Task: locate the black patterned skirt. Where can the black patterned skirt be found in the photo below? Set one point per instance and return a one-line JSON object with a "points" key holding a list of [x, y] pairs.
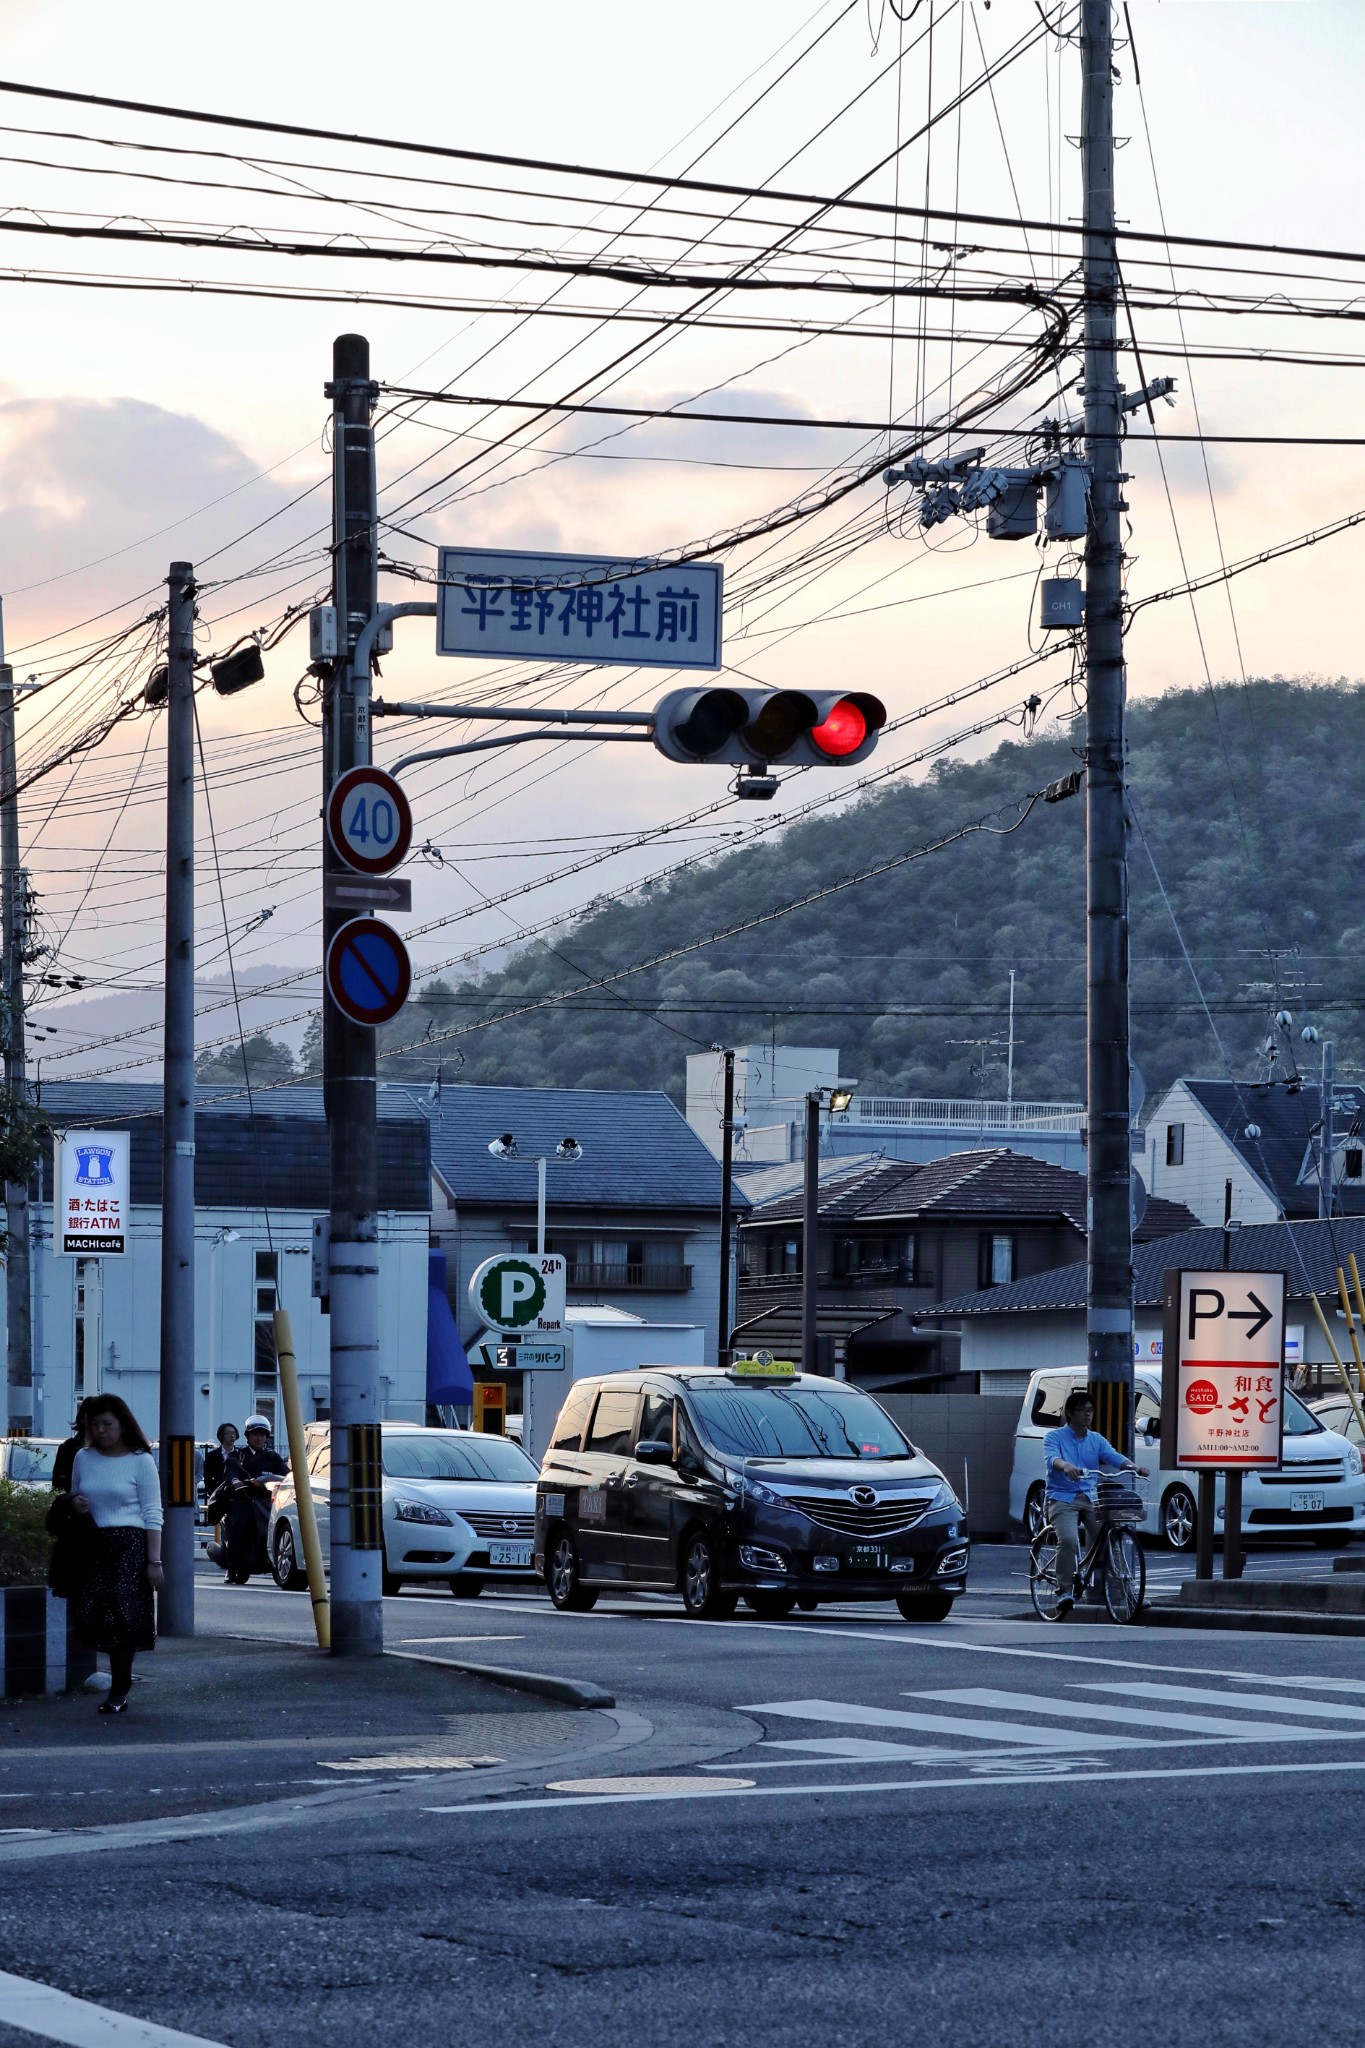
{"points": [[112, 1606]]}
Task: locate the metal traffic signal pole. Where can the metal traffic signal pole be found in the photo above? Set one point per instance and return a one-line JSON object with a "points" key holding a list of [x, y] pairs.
{"points": [[727, 1230], [1109, 1292], [348, 1054], [810, 1239]]}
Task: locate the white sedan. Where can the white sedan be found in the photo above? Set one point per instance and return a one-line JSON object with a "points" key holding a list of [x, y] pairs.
{"points": [[458, 1506]]}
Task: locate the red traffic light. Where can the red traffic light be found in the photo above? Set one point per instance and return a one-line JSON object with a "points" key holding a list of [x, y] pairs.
{"points": [[842, 731]]}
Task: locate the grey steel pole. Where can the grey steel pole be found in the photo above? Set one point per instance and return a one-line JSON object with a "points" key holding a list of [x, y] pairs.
{"points": [[1109, 1295], [13, 920], [1327, 1136], [727, 1225], [810, 1240], [176, 1617], [349, 1051]]}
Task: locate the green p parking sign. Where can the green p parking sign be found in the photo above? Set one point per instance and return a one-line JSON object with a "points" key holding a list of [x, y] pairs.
{"points": [[521, 1293]]}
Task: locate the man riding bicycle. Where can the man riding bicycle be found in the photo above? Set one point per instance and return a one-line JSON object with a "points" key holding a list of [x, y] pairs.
{"points": [[1073, 1458]]}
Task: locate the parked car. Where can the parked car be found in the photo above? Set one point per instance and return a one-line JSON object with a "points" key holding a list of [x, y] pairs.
{"points": [[1335, 1412], [1319, 1490], [787, 1490], [458, 1506], [27, 1460]]}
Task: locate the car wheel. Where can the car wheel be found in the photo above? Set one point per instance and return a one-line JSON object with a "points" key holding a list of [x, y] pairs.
{"points": [[808, 1602], [925, 1606], [704, 1598], [1033, 1510], [389, 1582], [1328, 1539], [465, 1586], [770, 1606], [290, 1576], [1178, 1519], [567, 1591]]}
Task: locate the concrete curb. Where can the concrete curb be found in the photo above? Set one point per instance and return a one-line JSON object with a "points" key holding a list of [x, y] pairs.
{"points": [[1255, 1620], [570, 1692]]}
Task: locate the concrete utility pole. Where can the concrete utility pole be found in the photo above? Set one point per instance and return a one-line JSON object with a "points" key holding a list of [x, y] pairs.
{"points": [[1327, 1135], [348, 1050], [727, 1158], [14, 921], [810, 1239], [1109, 1293], [177, 1123]]}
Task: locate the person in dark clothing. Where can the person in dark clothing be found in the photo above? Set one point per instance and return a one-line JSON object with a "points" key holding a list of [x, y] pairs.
{"points": [[66, 1452], [117, 1494], [248, 1513], [215, 1462]]}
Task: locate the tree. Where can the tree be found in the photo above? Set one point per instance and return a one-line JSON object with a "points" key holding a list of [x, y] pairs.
{"points": [[266, 1060]]}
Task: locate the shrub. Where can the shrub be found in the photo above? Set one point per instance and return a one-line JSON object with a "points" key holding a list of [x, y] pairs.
{"points": [[24, 1542]]}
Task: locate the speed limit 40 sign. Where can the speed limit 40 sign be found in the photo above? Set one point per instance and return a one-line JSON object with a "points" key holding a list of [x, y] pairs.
{"points": [[369, 820]]}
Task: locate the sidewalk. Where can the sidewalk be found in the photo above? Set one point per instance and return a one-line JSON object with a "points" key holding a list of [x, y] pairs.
{"points": [[218, 1721]]}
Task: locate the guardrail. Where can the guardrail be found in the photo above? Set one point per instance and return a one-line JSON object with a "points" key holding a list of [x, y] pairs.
{"points": [[954, 1113]]}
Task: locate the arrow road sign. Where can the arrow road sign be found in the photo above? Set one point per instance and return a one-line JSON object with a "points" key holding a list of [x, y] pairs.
{"points": [[366, 892], [1222, 1369], [369, 820], [368, 971], [1258, 1315]]}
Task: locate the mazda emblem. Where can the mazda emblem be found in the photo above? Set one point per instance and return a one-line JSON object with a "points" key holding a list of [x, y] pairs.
{"points": [[865, 1496]]}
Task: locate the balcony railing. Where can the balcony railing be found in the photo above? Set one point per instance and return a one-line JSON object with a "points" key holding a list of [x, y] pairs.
{"points": [[630, 1277], [955, 1113]]}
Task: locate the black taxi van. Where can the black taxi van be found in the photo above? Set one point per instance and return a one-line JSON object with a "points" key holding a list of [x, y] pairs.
{"points": [[758, 1481]]}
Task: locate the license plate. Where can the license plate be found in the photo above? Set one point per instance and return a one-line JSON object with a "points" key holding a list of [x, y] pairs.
{"points": [[1305, 1503], [509, 1553], [864, 1559]]}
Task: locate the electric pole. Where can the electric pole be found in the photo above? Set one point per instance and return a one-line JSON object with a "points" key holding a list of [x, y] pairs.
{"points": [[1327, 1135], [349, 1049], [810, 1239], [1109, 1293], [176, 1617], [13, 927], [727, 1156]]}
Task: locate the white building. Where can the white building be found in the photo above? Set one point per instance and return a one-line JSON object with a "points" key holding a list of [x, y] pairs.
{"points": [[1264, 1137]]}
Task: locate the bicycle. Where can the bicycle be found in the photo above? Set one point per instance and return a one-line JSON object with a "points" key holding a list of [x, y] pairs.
{"points": [[1113, 1564]]}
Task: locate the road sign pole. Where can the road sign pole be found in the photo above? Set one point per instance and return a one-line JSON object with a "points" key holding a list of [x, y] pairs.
{"points": [[349, 1049]]}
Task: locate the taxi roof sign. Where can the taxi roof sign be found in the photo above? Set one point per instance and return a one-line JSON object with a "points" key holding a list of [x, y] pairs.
{"points": [[763, 1367]]}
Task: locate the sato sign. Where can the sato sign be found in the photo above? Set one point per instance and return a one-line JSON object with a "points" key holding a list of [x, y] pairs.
{"points": [[578, 608], [521, 1293], [93, 1194], [1223, 1369]]}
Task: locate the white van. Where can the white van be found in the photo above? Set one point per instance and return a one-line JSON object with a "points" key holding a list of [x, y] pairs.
{"points": [[1318, 1491]]}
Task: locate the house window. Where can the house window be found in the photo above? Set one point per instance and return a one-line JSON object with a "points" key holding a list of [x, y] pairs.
{"points": [[265, 1364], [997, 1259], [1175, 1144]]}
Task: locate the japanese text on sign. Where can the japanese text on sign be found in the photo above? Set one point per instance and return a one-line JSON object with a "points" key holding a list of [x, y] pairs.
{"points": [[92, 1195], [1225, 1342], [578, 608]]}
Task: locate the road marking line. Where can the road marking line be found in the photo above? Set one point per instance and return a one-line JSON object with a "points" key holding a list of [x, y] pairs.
{"points": [[1117, 1663], [462, 1639], [1139, 1717], [840, 1711], [1254, 1702], [56, 2016], [1043, 1776]]}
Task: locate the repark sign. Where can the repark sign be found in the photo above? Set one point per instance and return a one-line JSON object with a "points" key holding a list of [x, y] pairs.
{"points": [[521, 1293], [1223, 1369]]}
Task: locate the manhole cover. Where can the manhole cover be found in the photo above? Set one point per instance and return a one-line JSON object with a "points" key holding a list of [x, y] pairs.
{"points": [[664, 1785]]}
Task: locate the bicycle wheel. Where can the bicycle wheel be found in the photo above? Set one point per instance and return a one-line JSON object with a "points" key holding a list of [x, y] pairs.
{"points": [[1124, 1575], [1044, 1591]]}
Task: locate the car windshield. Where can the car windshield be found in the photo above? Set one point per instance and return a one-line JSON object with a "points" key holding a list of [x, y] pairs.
{"points": [[1298, 1420], [796, 1422], [31, 1462], [455, 1457]]}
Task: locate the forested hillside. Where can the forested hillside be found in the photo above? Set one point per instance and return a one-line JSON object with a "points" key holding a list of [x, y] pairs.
{"points": [[1247, 798]]}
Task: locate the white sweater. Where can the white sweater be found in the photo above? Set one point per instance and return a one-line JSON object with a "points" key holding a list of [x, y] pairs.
{"points": [[124, 1492]]}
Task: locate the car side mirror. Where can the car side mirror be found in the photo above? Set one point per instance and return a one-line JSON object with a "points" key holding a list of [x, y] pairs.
{"points": [[653, 1451], [1151, 1430]]}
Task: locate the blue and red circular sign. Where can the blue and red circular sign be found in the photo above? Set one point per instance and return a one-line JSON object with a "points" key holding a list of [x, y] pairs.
{"points": [[369, 820], [368, 971]]}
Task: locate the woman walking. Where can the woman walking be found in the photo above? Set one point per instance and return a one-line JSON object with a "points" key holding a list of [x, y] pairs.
{"points": [[115, 1483]]}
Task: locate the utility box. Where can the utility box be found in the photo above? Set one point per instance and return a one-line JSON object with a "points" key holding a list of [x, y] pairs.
{"points": [[1061, 603], [1067, 503], [490, 1407], [1014, 514], [324, 643]]}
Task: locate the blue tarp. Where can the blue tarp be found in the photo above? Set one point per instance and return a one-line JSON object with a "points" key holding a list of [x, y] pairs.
{"points": [[450, 1383]]}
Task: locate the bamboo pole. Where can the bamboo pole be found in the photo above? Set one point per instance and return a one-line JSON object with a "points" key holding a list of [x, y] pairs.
{"points": [[303, 1485], [1332, 1347], [1360, 1303]]}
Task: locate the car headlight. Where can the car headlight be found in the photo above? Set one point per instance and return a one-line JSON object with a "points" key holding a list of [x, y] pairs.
{"points": [[753, 1490], [420, 1511], [944, 1498], [1353, 1461]]}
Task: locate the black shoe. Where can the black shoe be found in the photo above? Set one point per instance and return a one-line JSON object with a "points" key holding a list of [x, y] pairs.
{"points": [[1064, 1607], [114, 1705]]}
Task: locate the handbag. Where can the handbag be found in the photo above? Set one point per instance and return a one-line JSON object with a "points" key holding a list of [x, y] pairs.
{"points": [[71, 1532]]}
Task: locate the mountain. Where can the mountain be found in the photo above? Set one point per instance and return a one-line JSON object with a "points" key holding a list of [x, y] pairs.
{"points": [[1245, 805]]}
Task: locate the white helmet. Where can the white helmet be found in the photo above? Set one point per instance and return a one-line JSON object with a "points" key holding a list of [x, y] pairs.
{"points": [[255, 1422]]}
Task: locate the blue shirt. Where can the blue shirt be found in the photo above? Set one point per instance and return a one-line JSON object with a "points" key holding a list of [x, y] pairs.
{"points": [[1091, 1452]]}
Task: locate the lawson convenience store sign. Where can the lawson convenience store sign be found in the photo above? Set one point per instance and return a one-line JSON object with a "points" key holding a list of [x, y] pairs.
{"points": [[93, 1195]]}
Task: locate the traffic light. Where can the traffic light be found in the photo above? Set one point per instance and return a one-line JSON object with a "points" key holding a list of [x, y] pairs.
{"points": [[763, 728]]}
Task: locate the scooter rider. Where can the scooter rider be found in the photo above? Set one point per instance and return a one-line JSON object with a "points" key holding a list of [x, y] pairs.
{"points": [[248, 1509]]}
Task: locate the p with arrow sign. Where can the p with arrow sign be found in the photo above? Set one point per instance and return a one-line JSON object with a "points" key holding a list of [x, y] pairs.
{"points": [[1223, 1369]]}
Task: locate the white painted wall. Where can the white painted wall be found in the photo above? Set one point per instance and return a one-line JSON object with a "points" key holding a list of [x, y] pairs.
{"points": [[1210, 1161]]}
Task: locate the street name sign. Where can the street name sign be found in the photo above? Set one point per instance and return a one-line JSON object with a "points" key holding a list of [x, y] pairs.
{"points": [[1223, 1369], [366, 892], [521, 1293], [600, 608], [93, 1194], [369, 820], [524, 1357], [368, 972]]}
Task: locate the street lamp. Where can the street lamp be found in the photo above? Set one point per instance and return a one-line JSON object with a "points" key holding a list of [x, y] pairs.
{"points": [[568, 1152], [836, 1097]]}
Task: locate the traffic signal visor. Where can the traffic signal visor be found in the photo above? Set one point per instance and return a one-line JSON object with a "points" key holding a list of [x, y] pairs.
{"points": [[787, 728]]}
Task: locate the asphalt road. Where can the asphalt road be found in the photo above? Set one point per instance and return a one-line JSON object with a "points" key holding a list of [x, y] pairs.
{"points": [[838, 1829]]}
